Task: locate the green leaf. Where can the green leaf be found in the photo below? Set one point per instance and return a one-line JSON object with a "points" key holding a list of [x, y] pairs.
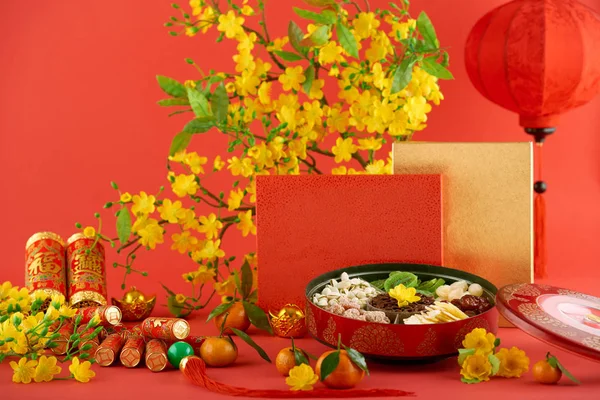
{"points": [[176, 308], [199, 103], [426, 29], [257, 317], [288, 56], [220, 103], [553, 361], [320, 36], [330, 363], [180, 142], [300, 358], [464, 380], [170, 86], [238, 282], [320, 3], [244, 336], [216, 79], [220, 309], [173, 102], [495, 363], [309, 74], [246, 280], [324, 18], [463, 354], [445, 59], [168, 290], [124, 225], [296, 35], [347, 39], [403, 74], [357, 358], [253, 298], [199, 125], [432, 67]]}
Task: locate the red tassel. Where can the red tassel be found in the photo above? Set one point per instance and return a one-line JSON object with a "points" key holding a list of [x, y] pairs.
{"points": [[540, 258], [194, 369]]}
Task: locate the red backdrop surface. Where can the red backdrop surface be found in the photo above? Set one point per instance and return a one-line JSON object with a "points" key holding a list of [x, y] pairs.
{"points": [[78, 109]]}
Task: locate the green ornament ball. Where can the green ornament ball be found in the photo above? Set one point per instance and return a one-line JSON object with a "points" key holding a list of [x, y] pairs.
{"points": [[178, 351]]}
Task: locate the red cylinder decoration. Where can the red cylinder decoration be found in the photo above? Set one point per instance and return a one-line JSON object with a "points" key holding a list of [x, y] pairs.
{"points": [[86, 271], [539, 59]]}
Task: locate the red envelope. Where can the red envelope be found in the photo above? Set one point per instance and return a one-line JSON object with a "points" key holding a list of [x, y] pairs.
{"points": [[312, 224]]}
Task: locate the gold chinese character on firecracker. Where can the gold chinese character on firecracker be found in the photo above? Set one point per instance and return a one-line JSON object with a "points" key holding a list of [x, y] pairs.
{"points": [[45, 264], [87, 263]]}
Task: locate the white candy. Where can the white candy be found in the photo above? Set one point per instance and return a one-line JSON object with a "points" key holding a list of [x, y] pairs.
{"points": [[345, 276], [326, 291], [475, 290], [344, 285], [443, 292], [460, 285], [322, 302]]}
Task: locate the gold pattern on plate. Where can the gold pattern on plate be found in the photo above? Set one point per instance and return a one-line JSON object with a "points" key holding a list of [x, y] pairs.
{"points": [[311, 323], [87, 295], [533, 312], [181, 329], [377, 339], [567, 292], [428, 346], [330, 333], [519, 291], [592, 341], [44, 235]]}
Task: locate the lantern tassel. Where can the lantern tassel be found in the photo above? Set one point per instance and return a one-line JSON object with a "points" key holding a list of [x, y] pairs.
{"points": [[540, 236], [194, 369]]}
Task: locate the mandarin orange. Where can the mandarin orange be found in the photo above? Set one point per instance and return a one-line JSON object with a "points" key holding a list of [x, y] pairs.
{"points": [[218, 351], [236, 318], [345, 376]]}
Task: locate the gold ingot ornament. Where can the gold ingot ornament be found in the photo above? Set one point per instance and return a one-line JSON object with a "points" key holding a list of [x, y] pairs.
{"points": [[288, 322], [135, 305]]}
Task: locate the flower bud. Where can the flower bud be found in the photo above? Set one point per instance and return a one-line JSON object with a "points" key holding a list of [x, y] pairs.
{"points": [[108, 205], [114, 185]]}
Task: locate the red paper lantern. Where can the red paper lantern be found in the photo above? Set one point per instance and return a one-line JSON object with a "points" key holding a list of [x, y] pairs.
{"points": [[538, 58]]}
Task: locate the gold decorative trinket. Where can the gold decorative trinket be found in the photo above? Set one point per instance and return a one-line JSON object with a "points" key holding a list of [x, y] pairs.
{"points": [[135, 305], [290, 321]]}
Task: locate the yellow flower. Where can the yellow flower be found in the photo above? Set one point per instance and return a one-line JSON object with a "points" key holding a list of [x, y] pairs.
{"points": [[24, 371], [5, 289], [235, 199], [201, 276], [218, 164], [337, 120], [246, 225], [293, 78], [143, 204], [20, 299], [480, 340], [417, 109], [240, 167], [210, 226], [188, 219], [247, 10], [183, 242], [366, 24], [170, 211], [89, 231], [316, 90], [227, 287], [370, 143], [244, 61], [46, 369], [230, 24], [211, 251], [400, 30], [278, 44], [247, 83], [32, 321], [180, 298], [341, 170], [66, 311], [180, 155], [195, 162], [330, 53], [151, 235], [52, 314], [184, 185], [513, 362], [301, 377], [81, 371], [404, 295], [377, 167], [125, 197], [343, 149], [476, 367]]}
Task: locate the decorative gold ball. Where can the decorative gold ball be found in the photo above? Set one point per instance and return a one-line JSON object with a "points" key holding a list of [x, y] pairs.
{"points": [[288, 322]]}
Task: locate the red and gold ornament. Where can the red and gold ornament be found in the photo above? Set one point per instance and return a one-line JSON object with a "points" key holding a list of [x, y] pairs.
{"points": [[86, 271], [172, 329], [135, 305], [109, 349], [45, 264], [288, 322], [156, 355], [109, 315], [133, 351]]}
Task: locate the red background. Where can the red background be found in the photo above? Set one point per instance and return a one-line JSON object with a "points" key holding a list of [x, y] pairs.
{"points": [[78, 109]]}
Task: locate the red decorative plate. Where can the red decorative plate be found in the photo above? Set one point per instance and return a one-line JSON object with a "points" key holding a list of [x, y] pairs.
{"points": [[559, 317]]}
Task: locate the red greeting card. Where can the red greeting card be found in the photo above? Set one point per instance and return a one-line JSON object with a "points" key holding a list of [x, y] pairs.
{"points": [[312, 224]]}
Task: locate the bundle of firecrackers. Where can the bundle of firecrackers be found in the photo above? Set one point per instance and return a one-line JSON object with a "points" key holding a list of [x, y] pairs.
{"points": [[480, 360]]}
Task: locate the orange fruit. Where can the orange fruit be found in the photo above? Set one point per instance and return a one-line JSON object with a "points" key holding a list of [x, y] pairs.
{"points": [[345, 376], [218, 351], [285, 360], [543, 372], [237, 319]]}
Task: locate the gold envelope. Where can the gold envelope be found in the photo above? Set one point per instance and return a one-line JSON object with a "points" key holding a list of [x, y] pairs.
{"points": [[487, 204]]}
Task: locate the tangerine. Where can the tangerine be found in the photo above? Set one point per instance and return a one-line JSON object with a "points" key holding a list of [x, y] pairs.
{"points": [[285, 360], [236, 318], [218, 351], [345, 376], [543, 372]]}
